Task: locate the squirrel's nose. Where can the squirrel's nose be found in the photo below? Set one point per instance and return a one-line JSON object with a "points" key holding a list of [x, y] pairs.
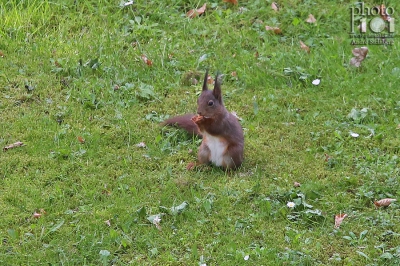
{"points": [[199, 112]]}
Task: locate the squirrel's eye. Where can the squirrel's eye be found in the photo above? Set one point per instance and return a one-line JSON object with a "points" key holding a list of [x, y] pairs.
{"points": [[210, 103]]}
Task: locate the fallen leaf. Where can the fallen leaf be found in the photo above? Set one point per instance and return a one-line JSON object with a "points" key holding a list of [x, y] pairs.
{"points": [[156, 220], [256, 55], [276, 30], [141, 145], [311, 19], [304, 47], [275, 6], [327, 157], [398, 126], [234, 74], [106, 192], [108, 223], [296, 184], [316, 82], [289, 123], [196, 12], [146, 60], [127, 3], [175, 210], [339, 219], [39, 214], [81, 140], [384, 202], [235, 2], [210, 80], [14, 145], [1, 54], [359, 56], [354, 135]]}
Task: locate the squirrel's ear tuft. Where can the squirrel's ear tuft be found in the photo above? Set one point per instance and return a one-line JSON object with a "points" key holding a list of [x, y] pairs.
{"points": [[205, 87], [217, 88]]}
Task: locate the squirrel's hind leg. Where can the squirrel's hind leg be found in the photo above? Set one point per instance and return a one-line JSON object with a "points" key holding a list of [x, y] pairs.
{"points": [[203, 157], [233, 157]]}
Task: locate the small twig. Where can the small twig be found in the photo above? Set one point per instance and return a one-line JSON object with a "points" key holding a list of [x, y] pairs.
{"points": [[14, 145]]}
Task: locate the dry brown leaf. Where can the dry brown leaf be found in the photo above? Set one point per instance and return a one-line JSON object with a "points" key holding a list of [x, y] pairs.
{"points": [[196, 12], [276, 30], [304, 47], [235, 2], [256, 55], [1, 54], [210, 80], [108, 223], [14, 145], [146, 60], [275, 6], [311, 19], [339, 219], [37, 215], [296, 184], [81, 140], [359, 56], [383, 202], [327, 157]]}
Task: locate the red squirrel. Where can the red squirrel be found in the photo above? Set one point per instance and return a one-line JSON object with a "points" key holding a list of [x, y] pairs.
{"points": [[222, 134]]}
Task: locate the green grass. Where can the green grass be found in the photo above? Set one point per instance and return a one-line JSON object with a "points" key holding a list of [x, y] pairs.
{"points": [[73, 69]]}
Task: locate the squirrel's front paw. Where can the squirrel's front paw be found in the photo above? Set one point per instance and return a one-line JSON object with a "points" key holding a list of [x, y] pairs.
{"points": [[197, 118]]}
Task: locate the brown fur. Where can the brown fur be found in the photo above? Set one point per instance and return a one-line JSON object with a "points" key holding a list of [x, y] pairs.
{"points": [[215, 122], [185, 122]]}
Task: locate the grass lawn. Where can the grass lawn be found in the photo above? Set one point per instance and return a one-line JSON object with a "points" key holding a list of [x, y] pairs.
{"points": [[76, 89]]}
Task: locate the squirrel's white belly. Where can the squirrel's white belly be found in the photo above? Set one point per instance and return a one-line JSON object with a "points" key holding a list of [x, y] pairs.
{"points": [[217, 148]]}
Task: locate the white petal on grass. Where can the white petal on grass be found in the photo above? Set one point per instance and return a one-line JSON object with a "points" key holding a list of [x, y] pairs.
{"points": [[354, 135], [316, 82], [128, 3], [246, 257], [291, 204]]}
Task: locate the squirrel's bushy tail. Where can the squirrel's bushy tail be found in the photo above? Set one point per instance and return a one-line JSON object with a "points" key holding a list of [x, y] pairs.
{"points": [[185, 122]]}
